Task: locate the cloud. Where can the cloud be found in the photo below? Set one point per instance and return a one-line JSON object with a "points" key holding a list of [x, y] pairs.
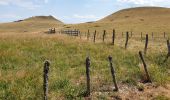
{"points": [[85, 16], [147, 2], [46, 1], [29, 4], [9, 16], [3, 2]]}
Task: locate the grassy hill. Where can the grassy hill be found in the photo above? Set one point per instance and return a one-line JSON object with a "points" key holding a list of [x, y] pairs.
{"points": [[32, 24], [140, 19]]}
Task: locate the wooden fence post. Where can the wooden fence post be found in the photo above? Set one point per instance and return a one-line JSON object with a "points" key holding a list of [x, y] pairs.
{"points": [[104, 33], [113, 37], [145, 68], [113, 73], [164, 35], [45, 84], [88, 35], [54, 30], [146, 44], [127, 39], [94, 40], [168, 54], [88, 76]]}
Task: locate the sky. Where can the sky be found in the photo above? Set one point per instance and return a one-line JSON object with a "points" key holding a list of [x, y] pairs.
{"points": [[69, 11]]}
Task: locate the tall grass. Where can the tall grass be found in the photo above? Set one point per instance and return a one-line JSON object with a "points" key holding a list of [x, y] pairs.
{"points": [[21, 67]]}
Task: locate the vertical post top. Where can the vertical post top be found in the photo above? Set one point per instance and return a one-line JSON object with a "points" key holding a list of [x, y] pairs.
{"points": [[110, 58], [127, 34], [88, 61], [47, 63]]}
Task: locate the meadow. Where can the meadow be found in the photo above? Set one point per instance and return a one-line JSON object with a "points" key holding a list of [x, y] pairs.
{"points": [[22, 59]]}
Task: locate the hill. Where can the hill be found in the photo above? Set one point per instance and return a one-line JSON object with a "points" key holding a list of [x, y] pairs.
{"points": [[32, 24], [140, 19], [139, 14]]}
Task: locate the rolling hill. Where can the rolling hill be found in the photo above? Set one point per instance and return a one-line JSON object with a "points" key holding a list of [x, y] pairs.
{"points": [[139, 19], [32, 24]]}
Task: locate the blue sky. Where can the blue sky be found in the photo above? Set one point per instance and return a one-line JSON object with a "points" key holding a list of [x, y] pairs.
{"points": [[69, 11]]}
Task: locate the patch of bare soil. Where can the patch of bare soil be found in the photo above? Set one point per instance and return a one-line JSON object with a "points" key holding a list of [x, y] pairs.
{"points": [[146, 91]]}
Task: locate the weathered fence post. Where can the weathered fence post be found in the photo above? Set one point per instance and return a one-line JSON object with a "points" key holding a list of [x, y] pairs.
{"points": [[88, 35], [145, 68], [104, 33], [168, 54], [94, 40], [54, 30], [164, 35], [113, 73], [127, 39], [88, 76], [45, 84], [146, 44], [113, 37]]}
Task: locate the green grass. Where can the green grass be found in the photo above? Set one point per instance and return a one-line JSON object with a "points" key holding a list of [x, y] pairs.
{"points": [[21, 67]]}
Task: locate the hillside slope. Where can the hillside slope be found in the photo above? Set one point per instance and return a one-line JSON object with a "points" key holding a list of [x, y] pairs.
{"points": [[139, 14], [140, 19], [32, 24]]}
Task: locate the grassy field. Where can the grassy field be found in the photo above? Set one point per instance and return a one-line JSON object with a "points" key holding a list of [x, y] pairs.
{"points": [[24, 46], [22, 57]]}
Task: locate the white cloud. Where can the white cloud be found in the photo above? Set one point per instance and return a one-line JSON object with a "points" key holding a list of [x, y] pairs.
{"points": [[3, 2], [85, 16], [9, 16], [46, 1], [147, 2], [30, 4]]}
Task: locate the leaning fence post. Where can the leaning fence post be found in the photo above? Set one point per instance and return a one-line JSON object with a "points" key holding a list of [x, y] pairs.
{"points": [[94, 36], [146, 44], [168, 54], [145, 67], [113, 37], [88, 76], [45, 84], [104, 33], [113, 73], [127, 39]]}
